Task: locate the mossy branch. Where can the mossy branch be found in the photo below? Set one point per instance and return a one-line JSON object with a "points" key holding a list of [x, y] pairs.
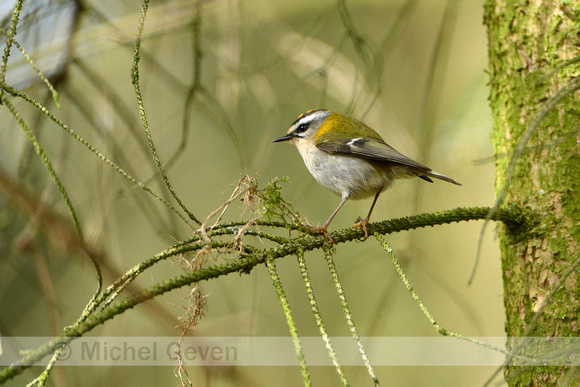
{"points": [[514, 219]]}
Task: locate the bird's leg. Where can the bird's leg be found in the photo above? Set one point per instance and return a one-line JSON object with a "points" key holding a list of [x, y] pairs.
{"points": [[323, 228], [365, 222]]}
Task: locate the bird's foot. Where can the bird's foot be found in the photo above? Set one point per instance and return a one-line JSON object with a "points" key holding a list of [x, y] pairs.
{"points": [[363, 223], [320, 230]]}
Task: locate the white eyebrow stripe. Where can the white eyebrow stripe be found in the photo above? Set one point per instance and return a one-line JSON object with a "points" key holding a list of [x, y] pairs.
{"points": [[309, 118], [305, 120]]}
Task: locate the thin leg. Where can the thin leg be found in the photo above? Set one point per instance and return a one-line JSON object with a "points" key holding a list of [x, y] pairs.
{"points": [[365, 222], [325, 225]]}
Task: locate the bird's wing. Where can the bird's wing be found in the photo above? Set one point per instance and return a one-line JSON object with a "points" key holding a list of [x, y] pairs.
{"points": [[370, 148]]}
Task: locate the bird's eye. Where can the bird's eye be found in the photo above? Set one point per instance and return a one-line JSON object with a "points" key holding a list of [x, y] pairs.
{"points": [[301, 128]]}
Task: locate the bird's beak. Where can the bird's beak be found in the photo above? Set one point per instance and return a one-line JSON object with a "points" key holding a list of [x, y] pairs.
{"points": [[284, 138]]}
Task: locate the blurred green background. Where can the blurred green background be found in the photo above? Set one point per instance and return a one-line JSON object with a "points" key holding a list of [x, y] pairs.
{"points": [[417, 77]]}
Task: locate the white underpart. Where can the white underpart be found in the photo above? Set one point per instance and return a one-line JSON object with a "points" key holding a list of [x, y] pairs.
{"points": [[346, 176]]}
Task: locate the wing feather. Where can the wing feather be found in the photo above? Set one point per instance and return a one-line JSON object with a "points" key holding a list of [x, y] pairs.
{"points": [[370, 148]]}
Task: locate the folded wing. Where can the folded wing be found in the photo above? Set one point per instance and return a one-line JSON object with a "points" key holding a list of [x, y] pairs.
{"points": [[371, 148]]}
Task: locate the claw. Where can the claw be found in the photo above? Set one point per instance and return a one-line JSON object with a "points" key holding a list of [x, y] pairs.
{"points": [[320, 230], [363, 224]]}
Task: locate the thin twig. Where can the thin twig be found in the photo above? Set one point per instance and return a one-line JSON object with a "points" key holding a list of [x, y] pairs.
{"points": [[289, 320], [347, 314], [139, 95], [318, 318]]}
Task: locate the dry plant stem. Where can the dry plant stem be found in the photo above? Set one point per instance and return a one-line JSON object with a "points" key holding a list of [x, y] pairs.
{"points": [[181, 371], [223, 208], [193, 313], [234, 196]]}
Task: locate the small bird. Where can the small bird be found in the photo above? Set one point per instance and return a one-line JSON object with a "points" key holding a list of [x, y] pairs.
{"points": [[350, 159]]}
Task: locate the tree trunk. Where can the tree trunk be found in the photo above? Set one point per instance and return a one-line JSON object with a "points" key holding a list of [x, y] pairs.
{"points": [[528, 40]]}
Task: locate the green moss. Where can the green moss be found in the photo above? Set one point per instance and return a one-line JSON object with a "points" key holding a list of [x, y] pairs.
{"points": [[527, 41]]}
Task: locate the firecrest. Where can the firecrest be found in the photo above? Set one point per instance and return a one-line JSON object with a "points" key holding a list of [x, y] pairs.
{"points": [[350, 159]]}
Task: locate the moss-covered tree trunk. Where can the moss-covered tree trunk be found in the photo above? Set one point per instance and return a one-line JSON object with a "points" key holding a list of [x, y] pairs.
{"points": [[527, 41]]}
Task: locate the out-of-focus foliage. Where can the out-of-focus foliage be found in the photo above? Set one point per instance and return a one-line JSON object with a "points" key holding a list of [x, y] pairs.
{"points": [[220, 80]]}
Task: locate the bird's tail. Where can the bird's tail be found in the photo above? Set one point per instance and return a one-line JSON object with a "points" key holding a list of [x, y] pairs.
{"points": [[439, 176]]}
